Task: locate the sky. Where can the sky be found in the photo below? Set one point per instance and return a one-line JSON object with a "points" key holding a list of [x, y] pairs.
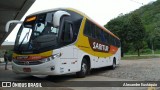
{"points": [[101, 11]]}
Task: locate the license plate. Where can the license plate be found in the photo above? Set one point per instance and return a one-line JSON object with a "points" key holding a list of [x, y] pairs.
{"points": [[27, 69]]}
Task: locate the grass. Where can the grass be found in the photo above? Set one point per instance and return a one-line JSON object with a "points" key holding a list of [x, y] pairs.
{"points": [[135, 57], [157, 52], [144, 52]]}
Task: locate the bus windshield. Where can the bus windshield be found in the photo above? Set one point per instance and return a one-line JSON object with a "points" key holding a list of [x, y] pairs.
{"points": [[37, 32]]}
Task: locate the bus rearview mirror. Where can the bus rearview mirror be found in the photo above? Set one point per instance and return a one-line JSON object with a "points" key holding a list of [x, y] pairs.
{"points": [[10, 22], [57, 17]]}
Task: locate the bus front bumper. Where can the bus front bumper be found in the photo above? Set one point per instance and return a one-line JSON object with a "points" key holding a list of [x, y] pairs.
{"points": [[47, 68]]}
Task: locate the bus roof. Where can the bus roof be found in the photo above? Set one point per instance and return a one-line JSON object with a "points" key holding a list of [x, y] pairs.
{"points": [[79, 12]]}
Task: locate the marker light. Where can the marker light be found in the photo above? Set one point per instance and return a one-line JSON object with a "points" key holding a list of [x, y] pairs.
{"points": [[31, 19]]}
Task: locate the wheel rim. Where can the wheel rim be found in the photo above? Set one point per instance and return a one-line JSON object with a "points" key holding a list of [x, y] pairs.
{"points": [[84, 68], [114, 65]]}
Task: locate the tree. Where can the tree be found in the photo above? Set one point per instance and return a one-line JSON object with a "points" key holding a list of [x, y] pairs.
{"points": [[137, 32], [139, 29], [119, 27], [153, 38], [130, 30]]}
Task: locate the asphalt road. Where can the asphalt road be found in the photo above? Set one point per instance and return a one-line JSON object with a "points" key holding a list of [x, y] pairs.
{"points": [[103, 74]]}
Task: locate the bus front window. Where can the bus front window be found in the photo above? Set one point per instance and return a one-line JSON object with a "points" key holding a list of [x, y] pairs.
{"points": [[36, 34], [43, 32]]}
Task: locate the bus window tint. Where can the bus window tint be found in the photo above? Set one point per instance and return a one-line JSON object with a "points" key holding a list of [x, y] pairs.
{"points": [[66, 32], [88, 30], [114, 42], [117, 42], [98, 33], [93, 31], [106, 35], [76, 26], [92, 27], [111, 41], [103, 39]]}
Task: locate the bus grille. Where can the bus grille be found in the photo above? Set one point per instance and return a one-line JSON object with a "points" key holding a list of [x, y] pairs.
{"points": [[27, 62]]}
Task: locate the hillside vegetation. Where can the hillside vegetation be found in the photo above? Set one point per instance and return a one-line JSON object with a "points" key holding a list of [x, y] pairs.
{"points": [[139, 30]]}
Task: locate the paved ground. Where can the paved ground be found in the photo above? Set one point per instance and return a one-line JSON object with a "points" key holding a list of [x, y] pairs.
{"points": [[144, 70], [129, 70]]}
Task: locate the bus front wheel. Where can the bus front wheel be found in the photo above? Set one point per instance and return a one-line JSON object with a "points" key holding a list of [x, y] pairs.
{"points": [[84, 69]]}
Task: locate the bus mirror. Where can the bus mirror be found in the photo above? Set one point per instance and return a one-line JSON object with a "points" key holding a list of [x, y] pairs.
{"points": [[68, 36], [57, 17], [71, 32], [10, 22]]}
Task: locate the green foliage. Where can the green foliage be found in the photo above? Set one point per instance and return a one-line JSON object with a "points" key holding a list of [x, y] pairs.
{"points": [[157, 52], [130, 30], [137, 32], [139, 29], [120, 28], [150, 15]]}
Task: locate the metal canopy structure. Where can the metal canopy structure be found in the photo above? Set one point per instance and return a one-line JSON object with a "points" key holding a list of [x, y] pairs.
{"points": [[12, 10]]}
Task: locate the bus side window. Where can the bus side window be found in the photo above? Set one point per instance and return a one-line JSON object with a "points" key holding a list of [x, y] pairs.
{"points": [[117, 43], [76, 27], [103, 39], [92, 27], [106, 36], [88, 29], [114, 41], [98, 33], [110, 40]]}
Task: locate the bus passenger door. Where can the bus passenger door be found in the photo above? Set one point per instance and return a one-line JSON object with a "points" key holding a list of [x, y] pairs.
{"points": [[68, 58]]}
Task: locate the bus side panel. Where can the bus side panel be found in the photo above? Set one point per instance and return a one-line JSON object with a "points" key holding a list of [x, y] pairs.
{"points": [[97, 58], [118, 56], [69, 59], [81, 55]]}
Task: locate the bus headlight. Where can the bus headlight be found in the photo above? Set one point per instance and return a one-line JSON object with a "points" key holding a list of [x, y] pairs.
{"points": [[45, 60], [56, 55]]}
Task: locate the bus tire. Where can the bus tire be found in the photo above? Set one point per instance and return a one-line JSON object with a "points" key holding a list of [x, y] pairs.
{"points": [[113, 64], [84, 69]]}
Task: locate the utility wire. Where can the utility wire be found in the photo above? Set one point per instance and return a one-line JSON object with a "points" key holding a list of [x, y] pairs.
{"points": [[136, 2]]}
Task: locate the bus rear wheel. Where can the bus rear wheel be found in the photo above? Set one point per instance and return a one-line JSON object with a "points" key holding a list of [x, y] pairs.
{"points": [[113, 64], [84, 69]]}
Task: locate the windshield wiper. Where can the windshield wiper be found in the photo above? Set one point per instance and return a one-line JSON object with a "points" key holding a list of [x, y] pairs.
{"points": [[27, 34]]}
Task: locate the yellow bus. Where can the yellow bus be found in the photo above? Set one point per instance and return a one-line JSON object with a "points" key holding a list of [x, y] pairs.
{"points": [[61, 41]]}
